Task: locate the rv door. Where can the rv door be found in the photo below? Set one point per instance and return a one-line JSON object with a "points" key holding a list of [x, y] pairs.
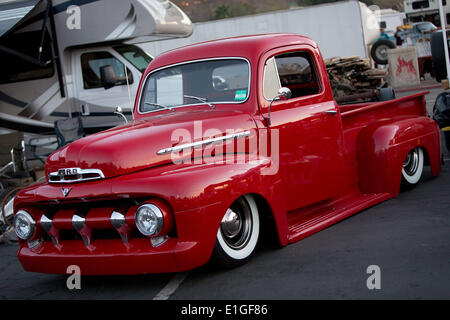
{"points": [[91, 97]]}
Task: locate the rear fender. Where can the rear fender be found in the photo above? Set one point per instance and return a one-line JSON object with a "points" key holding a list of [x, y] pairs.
{"points": [[382, 147]]}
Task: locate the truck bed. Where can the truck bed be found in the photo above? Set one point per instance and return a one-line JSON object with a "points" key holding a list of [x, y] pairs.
{"points": [[308, 220]]}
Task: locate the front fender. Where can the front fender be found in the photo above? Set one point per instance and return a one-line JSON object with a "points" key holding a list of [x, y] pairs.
{"points": [[382, 147], [200, 194]]}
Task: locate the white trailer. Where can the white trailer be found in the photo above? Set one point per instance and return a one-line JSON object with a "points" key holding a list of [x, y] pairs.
{"points": [[342, 28]]}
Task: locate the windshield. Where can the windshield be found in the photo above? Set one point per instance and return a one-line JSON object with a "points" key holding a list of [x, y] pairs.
{"points": [[135, 55], [214, 81], [426, 27]]}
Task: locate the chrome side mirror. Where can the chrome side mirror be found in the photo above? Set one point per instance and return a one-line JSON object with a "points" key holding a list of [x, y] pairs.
{"points": [[119, 112], [283, 94]]}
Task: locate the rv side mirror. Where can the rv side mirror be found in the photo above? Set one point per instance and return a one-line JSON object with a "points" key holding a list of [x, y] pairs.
{"points": [[108, 77]]}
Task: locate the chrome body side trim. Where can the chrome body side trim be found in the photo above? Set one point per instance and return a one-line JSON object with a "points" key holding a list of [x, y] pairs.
{"points": [[204, 142]]}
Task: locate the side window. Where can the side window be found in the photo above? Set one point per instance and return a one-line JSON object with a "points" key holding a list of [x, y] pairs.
{"points": [[93, 61], [297, 72]]}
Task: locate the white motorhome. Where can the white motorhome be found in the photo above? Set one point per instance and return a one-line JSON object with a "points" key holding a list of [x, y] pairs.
{"points": [[390, 20], [52, 54], [426, 10]]}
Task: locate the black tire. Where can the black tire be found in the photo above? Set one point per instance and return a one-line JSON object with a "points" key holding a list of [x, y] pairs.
{"points": [[447, 140], [238, 234], [379, 51], [438, 56], [412, 168], [386, 94], [3, 194], [3, 186]]}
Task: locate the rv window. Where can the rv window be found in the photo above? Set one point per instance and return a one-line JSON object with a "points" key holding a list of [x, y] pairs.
{"points": [[93, 61], [420, 4], [297, 72], [14, 68], [136, 56]]}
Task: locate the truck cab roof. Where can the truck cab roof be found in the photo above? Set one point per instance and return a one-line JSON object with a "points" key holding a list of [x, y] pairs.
{"points": [[249, 47]]}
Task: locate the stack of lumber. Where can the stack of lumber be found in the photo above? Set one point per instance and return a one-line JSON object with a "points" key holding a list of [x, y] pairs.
{"points": [[353, 75]]}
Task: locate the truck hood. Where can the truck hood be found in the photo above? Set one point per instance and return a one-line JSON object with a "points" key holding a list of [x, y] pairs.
{"points": [[135, 146]]}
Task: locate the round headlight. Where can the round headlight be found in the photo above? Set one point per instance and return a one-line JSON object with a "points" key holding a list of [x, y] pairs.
{"points": [[149, 219], [24, 225]]}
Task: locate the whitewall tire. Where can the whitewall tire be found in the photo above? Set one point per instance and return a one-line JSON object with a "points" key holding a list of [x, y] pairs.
{"points": [[412, 168], [238, 233]]}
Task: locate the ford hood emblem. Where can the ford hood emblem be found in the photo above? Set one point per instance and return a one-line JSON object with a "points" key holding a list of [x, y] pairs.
{"points": [[65, 191]]}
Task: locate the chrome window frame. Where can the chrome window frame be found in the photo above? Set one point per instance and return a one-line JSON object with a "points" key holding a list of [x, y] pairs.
{"points": [[197, 103], [264, 76], [314, 64]]}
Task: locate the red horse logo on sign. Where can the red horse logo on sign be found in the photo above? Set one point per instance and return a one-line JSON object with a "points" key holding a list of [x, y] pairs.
{"points": [[405, 70]]}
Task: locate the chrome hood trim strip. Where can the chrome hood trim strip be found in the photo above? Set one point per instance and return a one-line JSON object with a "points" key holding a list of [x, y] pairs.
{"points": [[204, 142]]}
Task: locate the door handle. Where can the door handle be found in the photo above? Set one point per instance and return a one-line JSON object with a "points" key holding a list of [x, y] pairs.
{"points": [[331, 112]]}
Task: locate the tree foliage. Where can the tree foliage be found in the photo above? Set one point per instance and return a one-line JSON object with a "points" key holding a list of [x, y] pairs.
{"points": [[240, 8]]}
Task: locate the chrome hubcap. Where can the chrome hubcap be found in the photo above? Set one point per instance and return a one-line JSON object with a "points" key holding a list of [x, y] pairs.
{"points": [[381, 52], [231, 224], [236, 225], [411, 163]]}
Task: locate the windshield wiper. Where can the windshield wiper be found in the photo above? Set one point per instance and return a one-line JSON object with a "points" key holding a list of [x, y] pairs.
{"points": [[204, 100], [159, 106]]}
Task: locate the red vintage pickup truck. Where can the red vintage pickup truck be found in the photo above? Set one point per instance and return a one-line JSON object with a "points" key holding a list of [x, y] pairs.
{"points": [[231, 139]]}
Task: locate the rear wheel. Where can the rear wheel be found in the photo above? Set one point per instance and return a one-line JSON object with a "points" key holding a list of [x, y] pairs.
{"points": [[238, 233], [412, 168]]}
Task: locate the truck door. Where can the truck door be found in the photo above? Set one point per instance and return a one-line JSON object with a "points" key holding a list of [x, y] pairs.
{"points": [[309, 127], [91, 97]]}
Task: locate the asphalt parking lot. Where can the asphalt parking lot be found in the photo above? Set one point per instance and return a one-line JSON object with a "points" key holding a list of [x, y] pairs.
{"points": [[407, 237]]}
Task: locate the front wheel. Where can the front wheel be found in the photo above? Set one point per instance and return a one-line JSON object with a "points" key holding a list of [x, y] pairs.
{"points": [[412, 168], [238, 233], [379, 51]]}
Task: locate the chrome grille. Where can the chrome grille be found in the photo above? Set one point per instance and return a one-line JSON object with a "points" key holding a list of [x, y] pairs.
{"points": [[88, 221]]}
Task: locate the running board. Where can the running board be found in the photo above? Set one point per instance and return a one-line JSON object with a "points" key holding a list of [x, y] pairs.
{"points": [[309, 220]]}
